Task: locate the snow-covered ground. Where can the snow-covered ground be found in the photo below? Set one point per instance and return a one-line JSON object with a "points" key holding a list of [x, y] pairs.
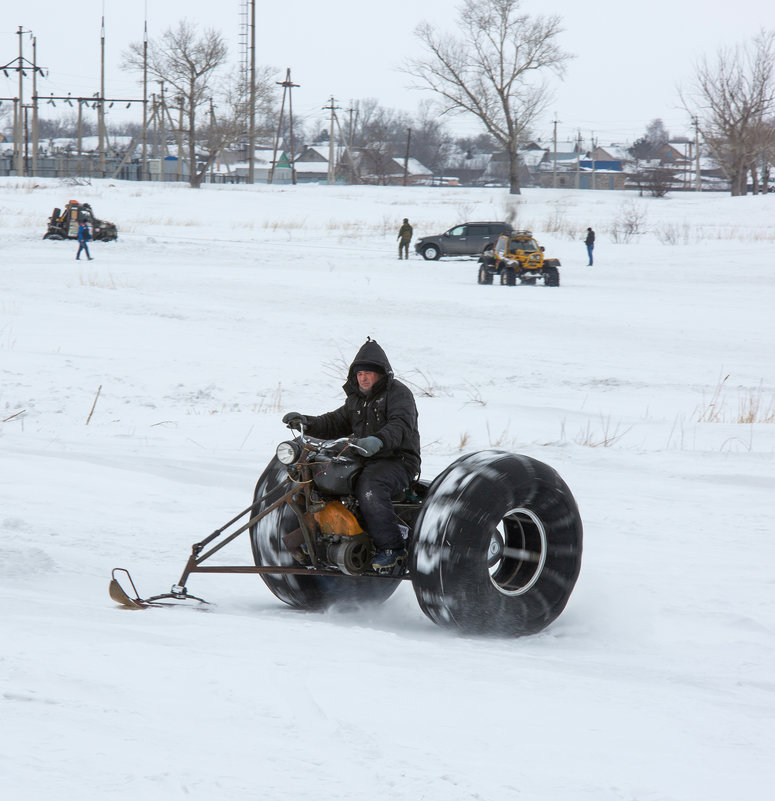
{"points": [[217, 311]]}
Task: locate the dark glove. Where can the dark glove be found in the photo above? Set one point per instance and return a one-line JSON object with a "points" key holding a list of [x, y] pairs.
{"points": [[295, 420], [368, 445]]}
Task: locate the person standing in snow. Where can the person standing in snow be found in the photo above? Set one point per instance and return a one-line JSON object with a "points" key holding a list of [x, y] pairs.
{"points": [[380, 412], [84, 235], [405, 233], [590, 243]]}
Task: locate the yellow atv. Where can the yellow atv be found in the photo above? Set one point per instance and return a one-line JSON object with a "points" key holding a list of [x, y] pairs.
{"points": [[518, 257]]}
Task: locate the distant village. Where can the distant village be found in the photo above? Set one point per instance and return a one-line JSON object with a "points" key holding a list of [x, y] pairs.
{"points": [[675, 166]]}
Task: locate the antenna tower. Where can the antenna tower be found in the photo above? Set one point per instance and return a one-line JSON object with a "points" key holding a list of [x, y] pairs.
{"points": [[244, 40]]}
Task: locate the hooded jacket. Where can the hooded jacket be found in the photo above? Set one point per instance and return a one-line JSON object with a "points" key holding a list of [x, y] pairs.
{"points": [[386, 411]]}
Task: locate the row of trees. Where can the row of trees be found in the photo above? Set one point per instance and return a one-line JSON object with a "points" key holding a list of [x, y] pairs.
{"points": [[733, 97], [491, 69], [488, 71], [213, 109]]}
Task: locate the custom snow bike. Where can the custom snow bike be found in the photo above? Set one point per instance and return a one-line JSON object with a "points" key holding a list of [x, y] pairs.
{"points": [[494, 542]]}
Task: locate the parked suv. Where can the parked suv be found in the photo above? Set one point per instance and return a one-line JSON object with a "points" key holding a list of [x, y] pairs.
{"points": [[468, 239]]}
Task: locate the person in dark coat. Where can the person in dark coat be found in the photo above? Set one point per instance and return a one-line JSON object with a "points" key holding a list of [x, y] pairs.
{"points": [[380, 412], [84, 235], [405, 233], [590, 243]]}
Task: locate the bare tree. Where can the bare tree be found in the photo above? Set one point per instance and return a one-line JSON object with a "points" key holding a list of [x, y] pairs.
{"points": [[190, 63], [5, 122], [652, 142], [378, 135], [657, 181], [431, 142], [489, 70], [734, 94]]}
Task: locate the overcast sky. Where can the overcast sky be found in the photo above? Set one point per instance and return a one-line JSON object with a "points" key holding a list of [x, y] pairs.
{"points": [[629, 59]]}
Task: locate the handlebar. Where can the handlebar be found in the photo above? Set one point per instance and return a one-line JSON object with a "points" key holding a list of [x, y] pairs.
{"points": [[334, 447]]}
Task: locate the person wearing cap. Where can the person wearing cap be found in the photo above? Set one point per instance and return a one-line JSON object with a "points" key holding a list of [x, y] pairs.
{"points": [[380, 413], [405, 233]]}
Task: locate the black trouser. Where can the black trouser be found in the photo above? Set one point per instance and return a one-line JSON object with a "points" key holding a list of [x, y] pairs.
{"points": [[379, 481]]}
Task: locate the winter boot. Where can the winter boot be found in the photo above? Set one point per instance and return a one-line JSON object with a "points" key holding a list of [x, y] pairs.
{"points": [[388, 559]]}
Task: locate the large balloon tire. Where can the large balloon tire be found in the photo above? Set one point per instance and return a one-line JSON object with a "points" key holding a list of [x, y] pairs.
{"points": [[551, 276], [497, 547], [303, 591]]}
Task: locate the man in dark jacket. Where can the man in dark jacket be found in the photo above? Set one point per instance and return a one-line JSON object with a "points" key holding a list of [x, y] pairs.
{"points": [[590, 243], [380, 412]]}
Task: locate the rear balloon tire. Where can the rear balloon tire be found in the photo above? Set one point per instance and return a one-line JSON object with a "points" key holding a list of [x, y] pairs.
{"points": [[498, 545], [302, 591]]}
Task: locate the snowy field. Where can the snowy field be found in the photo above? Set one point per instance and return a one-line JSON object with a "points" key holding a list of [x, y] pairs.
{"points": [[647, 381]]}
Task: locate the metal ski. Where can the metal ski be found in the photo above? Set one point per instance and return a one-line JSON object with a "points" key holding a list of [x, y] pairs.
{"points": [[174, 597]]}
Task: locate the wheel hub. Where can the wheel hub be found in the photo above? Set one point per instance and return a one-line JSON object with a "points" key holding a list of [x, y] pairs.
{"points": [[517, 552]]}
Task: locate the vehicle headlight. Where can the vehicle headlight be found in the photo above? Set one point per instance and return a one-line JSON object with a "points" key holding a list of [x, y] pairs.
{"points": [[287, 452]]}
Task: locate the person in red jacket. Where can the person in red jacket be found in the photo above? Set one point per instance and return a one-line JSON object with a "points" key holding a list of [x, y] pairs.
{"points": [[380, 412]]}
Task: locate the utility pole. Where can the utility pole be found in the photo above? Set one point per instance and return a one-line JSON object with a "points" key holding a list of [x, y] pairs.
{"points": [[290, 125], [162, 132], [578, 160], [697, 173], [331, 152], [594, 147], [687, 165], [287, 86], [348, 149], [101, 106], [179, 166], [350, 134], [34, 106], [212, 137], [554, 165], [252, 119], [155, 121], [20, 139], [144, 149], [406, 155], [20, 65], [79, 131]]}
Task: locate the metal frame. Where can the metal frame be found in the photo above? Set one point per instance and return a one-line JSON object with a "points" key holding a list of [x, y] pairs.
{"points": [[221, 537]]}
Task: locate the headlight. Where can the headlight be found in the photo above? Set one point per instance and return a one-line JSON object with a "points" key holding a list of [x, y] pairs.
{"points": [[287, 452]]}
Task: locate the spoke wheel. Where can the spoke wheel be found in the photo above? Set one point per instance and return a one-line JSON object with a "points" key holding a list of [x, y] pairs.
{"points": [[304, 591]]}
